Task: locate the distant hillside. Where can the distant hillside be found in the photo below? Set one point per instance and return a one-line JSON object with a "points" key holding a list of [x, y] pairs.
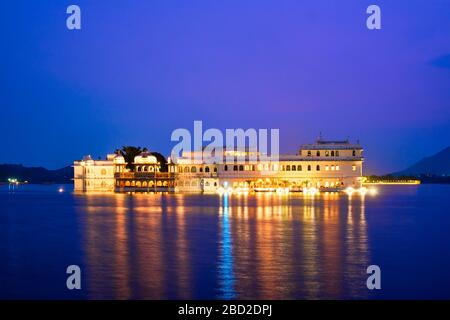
{"points": [[35, 174], [435, 165]]}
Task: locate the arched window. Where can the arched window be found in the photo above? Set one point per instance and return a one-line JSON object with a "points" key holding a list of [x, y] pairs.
{"points": [[327, 153], [288, 168], [309, 153], [294, 168], [206, 169], [200, 169], [318, 153], [226, 168], [207, 184], [309, 168], [186, 169], [235, 168], [317, 168], [299, 168], [193, 169], [332, 153], [337, 153], [215, 169], [241, 168]]}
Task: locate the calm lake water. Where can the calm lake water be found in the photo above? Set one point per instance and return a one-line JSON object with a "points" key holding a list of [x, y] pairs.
{"points": [[259, 246]]}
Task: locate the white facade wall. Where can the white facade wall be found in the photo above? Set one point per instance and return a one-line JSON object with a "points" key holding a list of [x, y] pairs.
{"points": [[94, 175]]}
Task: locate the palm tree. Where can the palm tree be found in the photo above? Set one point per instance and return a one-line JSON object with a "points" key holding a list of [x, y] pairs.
{"points": [[162, 161], [129, 152]]}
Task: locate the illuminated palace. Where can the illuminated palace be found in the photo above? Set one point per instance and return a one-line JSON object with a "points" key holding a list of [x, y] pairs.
{"points": [[322, 166]]}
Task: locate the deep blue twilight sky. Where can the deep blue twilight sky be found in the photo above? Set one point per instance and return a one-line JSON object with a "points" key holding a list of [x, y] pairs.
{"points": [[139, 69]]}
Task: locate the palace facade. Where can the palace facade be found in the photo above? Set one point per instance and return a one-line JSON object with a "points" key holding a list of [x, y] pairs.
{"points": [[323, 165]]}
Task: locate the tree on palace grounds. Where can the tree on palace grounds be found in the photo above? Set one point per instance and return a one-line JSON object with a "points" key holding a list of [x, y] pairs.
{"points": [[129, 152], [162, 160]]}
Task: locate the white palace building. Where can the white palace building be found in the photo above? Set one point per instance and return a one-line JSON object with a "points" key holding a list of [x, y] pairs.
{"points": [[320, 166]]}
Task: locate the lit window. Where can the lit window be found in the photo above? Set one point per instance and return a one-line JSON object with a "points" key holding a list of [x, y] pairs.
{"points": [[353, 167], [327, 168], [332, 168], [337, 168]]}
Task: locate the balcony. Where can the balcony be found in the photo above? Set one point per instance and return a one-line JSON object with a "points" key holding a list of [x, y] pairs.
{"points": [[144, 175]]}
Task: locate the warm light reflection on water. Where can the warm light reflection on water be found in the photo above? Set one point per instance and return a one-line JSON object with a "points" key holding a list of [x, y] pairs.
{"points": [[169, 246], [262, 246]]}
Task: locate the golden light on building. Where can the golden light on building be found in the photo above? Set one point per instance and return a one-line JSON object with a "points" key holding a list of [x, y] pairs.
{"points": [[320, 166]]}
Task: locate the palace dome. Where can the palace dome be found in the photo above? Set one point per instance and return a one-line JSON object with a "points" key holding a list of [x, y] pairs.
{"points": [[145, 158]]}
